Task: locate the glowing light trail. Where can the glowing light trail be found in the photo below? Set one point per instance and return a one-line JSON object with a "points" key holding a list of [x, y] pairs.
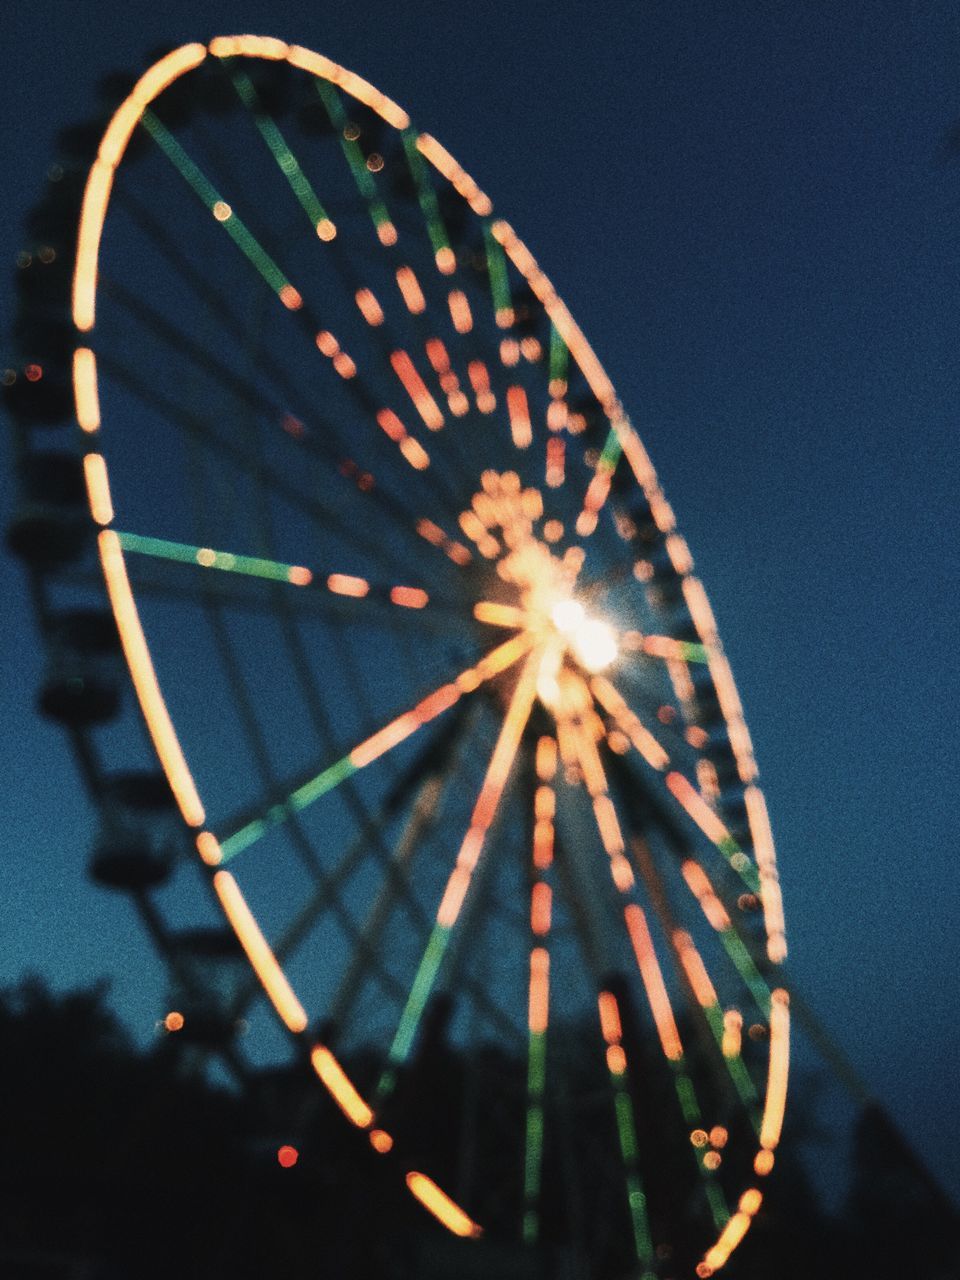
{"points": [[385, 739]]}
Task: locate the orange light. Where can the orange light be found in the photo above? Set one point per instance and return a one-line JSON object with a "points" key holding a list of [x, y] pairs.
{"points": [[342, 584], [445, 260], [763, 1163], [556, 453], [498, 615], [498, 771], [539, 1002], [694, 968], [702, 890], [299, 575], [344, 365], [409, 287], [340, 1086], [517, 407], [416, 389], [697, 808], [616, 1059], [326, 230], [144, 679], [409, 597], [98, 488], [222, 211], [386, 233], [441, 1206], [540, 903], [732, 1033], [610, 1018], [381, 1141], [327, 343], [290, 298], [653, 983], [262, 960], [610, 833], [542, 845], [173, 1021], [370, 308], [460, 312], [287, 1156], [208, 846], [437, 355], [546, 762]]}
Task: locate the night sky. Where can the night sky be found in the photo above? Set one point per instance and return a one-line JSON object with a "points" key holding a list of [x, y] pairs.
{"points": [[752, 210]]}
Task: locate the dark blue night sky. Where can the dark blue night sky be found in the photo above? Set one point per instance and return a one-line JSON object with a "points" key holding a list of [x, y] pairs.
{"points": [[752, 210]]}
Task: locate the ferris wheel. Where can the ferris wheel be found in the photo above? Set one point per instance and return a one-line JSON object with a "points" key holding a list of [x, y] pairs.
{"points": [[430, 705]]}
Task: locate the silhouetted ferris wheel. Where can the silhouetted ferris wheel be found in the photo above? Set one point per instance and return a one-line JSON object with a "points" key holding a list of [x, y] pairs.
{"points": [[434, 702]]}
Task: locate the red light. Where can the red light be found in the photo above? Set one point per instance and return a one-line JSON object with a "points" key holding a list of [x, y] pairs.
{"points": [[287, 1156], [34, 372]]}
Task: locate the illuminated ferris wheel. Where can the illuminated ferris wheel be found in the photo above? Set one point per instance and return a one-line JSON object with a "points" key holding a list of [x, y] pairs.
{"points": [[444, 727]]}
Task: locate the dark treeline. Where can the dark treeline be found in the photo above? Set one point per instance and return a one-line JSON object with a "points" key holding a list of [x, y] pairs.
{"points": [[117, 1163]]}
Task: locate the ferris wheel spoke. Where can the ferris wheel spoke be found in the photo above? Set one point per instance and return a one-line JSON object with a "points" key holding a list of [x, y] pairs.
{"points": [[200, 428], [286, 161], [538, 1000], [350, 587], [484, 812], [310, 435], [246, 828], [275, 278]]}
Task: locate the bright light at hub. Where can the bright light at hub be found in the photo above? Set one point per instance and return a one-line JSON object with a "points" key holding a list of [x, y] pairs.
{"points": [[593, 641], [595, 644], [567, 616]]}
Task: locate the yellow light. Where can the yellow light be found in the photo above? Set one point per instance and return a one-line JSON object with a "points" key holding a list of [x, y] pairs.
{"points": [[340, 1086], [326, 230], [85, 389], [98, 489], [222, 211], [441, 1206], [262, 960], [144, 679]]}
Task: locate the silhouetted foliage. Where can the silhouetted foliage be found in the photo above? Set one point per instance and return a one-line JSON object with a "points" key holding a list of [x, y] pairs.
{"points": [[117, 1163]]}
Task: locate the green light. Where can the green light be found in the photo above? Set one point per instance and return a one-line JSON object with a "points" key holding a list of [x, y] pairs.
{"points": [[312, 790], [425, 192], [497, 271], [745, 966], [238, 231], [419, 994], [351, 149], [718, 1205], [641, 1225], [611, 453], [206, 557], [558, 356], [624, 1110], [537, 1063], [688, 1098], [531, 1226], [286, 160]]}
